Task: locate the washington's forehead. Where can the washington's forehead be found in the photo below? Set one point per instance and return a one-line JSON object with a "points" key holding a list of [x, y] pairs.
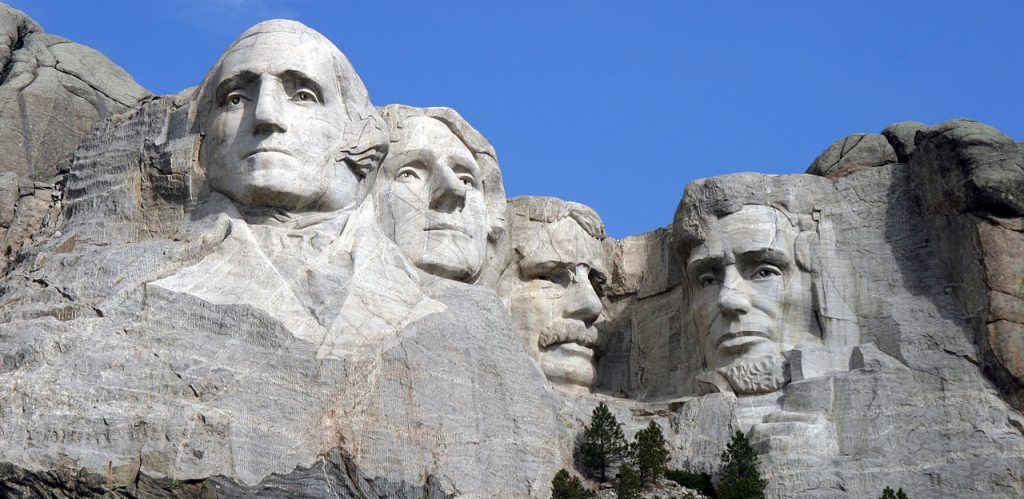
{"points": [[277, 52]]}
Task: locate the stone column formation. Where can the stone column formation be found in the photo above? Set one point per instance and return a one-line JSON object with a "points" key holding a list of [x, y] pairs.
{"points": [[266, 285]]}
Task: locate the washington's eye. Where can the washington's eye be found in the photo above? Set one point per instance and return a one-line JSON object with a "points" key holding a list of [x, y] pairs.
{"points": [[407, 174], [305, 95], [766, 272], [707, 280], [234, 98]]}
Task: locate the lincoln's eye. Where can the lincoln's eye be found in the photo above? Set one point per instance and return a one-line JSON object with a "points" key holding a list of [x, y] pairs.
{"points": [[235, 100]]}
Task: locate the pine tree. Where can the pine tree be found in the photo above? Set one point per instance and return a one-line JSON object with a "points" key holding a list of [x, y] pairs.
{"points": [[648, 453], [738, 475], [603, 441], [567, 486], [628, 484], [887, 493]]}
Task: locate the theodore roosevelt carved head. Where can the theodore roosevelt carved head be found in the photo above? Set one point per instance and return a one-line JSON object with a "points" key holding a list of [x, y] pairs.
{"points": [[553, 285]]}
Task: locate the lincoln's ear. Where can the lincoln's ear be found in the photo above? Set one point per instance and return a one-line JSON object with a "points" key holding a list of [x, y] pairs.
{"points": [[805, 247]]}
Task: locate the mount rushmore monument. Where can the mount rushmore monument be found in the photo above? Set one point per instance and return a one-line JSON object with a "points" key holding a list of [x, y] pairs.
{"points": [[265, 285]]}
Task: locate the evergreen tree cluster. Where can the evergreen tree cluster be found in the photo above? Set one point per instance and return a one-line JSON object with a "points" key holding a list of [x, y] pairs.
{"points": [[738, 476], [604, 444], [645, 460], [887, 493]]}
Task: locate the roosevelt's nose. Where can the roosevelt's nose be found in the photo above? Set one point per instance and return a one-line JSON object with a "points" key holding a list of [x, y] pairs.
{"points": [[268, 115], [449, 193], [732, 297], [581, 302]]}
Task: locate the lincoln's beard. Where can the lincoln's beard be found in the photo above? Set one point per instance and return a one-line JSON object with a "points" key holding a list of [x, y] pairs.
{"points": [[763, 374]]}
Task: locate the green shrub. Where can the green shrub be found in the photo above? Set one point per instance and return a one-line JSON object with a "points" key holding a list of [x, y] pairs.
{"points": [[628, 484], [887, 493], [701, 482], [568, 486]]}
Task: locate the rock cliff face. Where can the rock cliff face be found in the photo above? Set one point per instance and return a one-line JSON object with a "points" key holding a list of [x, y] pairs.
{"points": [[52, 92], [389, 327]]}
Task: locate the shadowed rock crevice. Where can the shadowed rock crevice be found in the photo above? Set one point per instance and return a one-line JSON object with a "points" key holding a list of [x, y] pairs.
{"points": [[333, 475]]}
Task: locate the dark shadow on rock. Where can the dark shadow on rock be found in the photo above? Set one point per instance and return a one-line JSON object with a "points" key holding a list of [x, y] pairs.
{"points": [[333, 475]]}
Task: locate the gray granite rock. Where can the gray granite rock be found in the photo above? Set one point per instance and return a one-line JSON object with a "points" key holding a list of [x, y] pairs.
{"points": [[969, 166], [851, 153], [902, 138], [52, 92], [163, 335]]}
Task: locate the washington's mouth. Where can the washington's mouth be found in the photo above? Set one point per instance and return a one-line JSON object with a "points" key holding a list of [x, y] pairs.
{"points": [[738, 339], [442, 226]]}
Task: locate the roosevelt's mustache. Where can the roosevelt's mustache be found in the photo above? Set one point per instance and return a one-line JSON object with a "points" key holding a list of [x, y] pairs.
{"points": [[568, 331]]}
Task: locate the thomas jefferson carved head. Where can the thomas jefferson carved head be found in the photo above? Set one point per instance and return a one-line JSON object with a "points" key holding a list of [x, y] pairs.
{"points": [[287, 123], [439, 192], [554, 283], [750, 274]]}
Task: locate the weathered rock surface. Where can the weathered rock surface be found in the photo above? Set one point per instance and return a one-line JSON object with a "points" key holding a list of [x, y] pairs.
{"points": [[52, 92], [924, 263], [902, 137], [159, 338], [852, 153]]}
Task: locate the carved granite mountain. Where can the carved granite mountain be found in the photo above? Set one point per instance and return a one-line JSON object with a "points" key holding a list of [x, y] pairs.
{"points": [[184, 325], [52, 92]]}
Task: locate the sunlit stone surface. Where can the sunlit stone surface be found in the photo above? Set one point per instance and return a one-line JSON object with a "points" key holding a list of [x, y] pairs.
{"points": [[266, 285]]}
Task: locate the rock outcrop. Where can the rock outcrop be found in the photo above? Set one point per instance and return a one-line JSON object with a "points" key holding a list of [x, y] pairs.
{"points": [[52, 92], [179, 319]]}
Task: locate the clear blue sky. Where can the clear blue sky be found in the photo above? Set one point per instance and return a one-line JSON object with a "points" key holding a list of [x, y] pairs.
{"points": [[618, 104]]}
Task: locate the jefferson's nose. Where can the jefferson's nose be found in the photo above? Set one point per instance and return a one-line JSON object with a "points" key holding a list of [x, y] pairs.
{"points": [[732, 297], [268, 115], [582, 302], [449, 193]]}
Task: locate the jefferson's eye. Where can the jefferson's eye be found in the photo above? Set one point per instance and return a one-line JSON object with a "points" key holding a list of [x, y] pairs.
{"points": [[468, 180], [766, 272], [305, 95]]}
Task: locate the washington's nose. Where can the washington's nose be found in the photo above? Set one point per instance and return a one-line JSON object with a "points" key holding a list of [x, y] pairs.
{"points": [[732, 299], [449, 193], [268, 115], [582, 302]]}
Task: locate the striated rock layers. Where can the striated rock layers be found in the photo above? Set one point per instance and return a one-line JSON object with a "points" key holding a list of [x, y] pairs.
{"points": [[186, 321]]}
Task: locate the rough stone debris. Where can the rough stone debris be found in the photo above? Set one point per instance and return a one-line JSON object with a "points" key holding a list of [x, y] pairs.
{"points": [[170, 329]]}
